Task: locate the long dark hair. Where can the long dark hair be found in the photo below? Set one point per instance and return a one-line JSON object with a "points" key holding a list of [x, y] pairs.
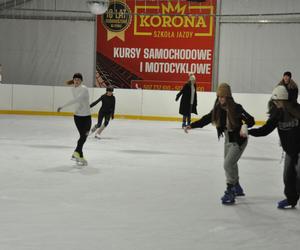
{"points": [[230, 107]]}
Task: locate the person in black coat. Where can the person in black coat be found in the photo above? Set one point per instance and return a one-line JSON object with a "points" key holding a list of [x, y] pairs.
{"points": [[231, 120], [286, 118], [290, 86], [106, 111], [188, 102]]}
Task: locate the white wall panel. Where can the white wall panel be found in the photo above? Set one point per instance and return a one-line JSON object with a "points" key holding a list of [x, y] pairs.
{"points": [[6, 96], [40, 4], [255, 104], [253, 57], [128, 101], [259, 6], [72, 5], [75, 5], [206, 102], [29, 97], [160, 103], [61, 96], [46, 52]]}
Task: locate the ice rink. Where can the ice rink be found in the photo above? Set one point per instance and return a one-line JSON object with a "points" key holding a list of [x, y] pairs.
{"points": [[148, 186]]}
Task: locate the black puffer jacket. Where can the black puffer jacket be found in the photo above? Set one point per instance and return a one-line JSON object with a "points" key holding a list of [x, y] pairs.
{"points": [[288, 128], [234, 136]]}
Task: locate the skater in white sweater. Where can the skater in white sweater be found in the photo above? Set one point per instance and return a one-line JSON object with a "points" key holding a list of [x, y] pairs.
{"points": [[82, 114]]}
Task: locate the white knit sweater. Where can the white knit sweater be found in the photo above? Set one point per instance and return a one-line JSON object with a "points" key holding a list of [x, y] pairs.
{"points": [[81, 100]]}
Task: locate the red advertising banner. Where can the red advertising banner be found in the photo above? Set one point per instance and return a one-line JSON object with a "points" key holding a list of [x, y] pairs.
{"points": [[154, 44]]}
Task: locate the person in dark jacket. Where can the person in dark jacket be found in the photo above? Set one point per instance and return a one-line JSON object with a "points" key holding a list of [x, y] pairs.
{"points": [[228, 117], [286, 118], [290, 85], [188, 102], [106, 111]]}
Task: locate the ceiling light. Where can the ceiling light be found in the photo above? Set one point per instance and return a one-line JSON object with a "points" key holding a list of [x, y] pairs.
{"points": [[98, 7]]}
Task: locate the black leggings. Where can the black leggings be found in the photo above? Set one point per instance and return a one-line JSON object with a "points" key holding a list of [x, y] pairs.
{"points": [[83, 124], [106, 117]]}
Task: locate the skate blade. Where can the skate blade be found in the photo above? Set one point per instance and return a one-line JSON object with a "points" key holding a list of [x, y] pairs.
{"points": [[81, 163]]}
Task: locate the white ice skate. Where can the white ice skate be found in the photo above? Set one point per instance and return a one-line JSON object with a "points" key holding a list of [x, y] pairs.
{"points": [[82, 162], [99, 131]]}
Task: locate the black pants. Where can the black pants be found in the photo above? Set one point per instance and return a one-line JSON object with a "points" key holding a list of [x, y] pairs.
{"points": [[83, 124], [291, 178], [186, 119], [101, 116]]}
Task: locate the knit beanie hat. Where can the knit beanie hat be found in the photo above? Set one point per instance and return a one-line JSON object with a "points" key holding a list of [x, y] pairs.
{"points": [[224, 90], [287, 73], [280, 93]]}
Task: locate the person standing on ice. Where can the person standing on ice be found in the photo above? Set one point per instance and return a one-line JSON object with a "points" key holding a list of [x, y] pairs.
{"points": [[228, 117], [106, 111], [82, 114], [286, 118], [188, 101], [290, 86]]}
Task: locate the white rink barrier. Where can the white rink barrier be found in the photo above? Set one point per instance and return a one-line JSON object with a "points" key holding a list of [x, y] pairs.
{"points": [[130, 103]]}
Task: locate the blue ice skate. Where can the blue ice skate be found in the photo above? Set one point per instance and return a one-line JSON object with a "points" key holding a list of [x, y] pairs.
{"points": [[285, 204], [238, 190], [228, 197]]}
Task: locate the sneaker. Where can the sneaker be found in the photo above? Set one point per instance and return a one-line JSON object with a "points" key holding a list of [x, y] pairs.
{"points": [[238, 190], [228, 197], [285, 204], [75, 156], [97, 136]]}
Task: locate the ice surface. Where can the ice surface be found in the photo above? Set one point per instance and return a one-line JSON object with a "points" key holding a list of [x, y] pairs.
{"points": [[148, 186]]}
